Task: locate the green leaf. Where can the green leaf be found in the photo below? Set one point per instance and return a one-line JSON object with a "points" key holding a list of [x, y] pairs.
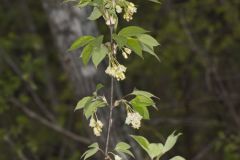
{"points": [[96, 13], [142, 141], [99, 54], [148, 40], [170, 142], [99, 86], [89, 153], [140, 104], [177, 158], [142, 93], [126, 152], [94, 145], [97, 42], [149, 50], [83, 3], [121, 40], [86, 54], [135, 45], [93, 148], [97, 2], [155, 150], [66, 1], [82, 103], [142, 100], [155, 1], [122, 145], [132, 31], [92, 108], [80, 42], [142, 110]]}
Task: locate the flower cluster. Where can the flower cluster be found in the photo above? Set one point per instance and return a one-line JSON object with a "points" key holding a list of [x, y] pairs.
{"points": [[134, 118], [115, 69], [129, 11], [126, 52], [97, 126]]}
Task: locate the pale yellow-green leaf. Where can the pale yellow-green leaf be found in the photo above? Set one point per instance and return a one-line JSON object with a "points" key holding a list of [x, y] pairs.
{"points": [[170, 142], [80, 42], [177, 158], [82, 103]]}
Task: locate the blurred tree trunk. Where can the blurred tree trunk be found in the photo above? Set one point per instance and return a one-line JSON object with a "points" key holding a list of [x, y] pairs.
{"points": [[68, 23]]}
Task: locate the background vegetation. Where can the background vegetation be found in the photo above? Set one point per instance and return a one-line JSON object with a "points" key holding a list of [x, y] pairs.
{"points": [[197, 81]]}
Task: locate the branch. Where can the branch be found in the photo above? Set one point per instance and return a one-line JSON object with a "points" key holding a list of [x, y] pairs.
{"points": [[31, 114], [111, 27], [13, 146], [35, 97], [203, 152], [211, 68]]}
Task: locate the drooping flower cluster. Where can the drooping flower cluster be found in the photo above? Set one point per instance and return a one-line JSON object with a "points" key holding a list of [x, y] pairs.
{"points": [[128, 7], [97, 126], [134, 118], [115, 69], [129, 11]]}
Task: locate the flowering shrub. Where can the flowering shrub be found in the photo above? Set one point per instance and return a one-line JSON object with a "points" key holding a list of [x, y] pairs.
{"points": [[131, 39]]}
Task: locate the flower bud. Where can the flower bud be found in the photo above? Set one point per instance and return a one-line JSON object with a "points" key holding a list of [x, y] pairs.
{"points": [[118, 9]]}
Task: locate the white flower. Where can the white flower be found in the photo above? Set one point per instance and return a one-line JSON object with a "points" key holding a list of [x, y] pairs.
{"points": [[96, 125], [127, 17], [129, 118], [114, 48], [99, 124], [92, 122], [117, 71], [134, 118], [132, 8], [118, 9], [125, 55], [128, 51], [122, 68], [116, 157], [110, 21], [129, 11], [97, 131], [136, 124]]}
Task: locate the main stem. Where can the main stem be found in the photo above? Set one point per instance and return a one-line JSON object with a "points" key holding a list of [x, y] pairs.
{"points": [[111, 102]]}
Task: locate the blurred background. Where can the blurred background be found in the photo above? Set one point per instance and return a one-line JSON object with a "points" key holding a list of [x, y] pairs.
{"points": [[198, 79]]}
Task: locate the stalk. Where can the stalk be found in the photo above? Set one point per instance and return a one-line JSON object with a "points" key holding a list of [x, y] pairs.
{"points": [[111, 101]]}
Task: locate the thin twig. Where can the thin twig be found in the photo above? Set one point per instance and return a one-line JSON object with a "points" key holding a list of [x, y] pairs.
{"points": [[34, 95], [110, 119], [11, 143], [31, 114]]}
